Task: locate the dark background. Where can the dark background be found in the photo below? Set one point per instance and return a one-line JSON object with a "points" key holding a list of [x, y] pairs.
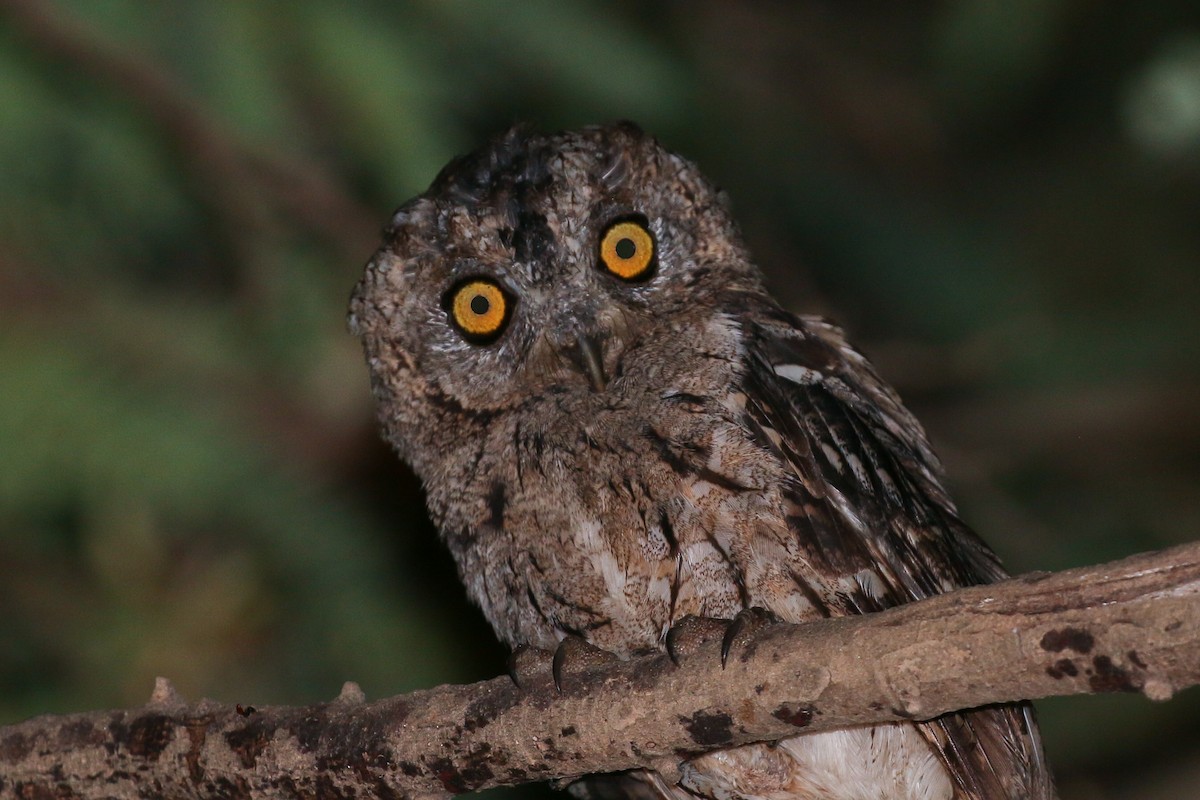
{"points": [[998, 200]]}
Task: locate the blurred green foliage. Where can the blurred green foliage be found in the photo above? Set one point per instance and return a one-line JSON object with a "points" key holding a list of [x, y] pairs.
{"points": [[999, 200]]}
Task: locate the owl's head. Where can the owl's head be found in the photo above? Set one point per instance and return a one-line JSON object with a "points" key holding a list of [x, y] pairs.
{"points": [[542, 265]]}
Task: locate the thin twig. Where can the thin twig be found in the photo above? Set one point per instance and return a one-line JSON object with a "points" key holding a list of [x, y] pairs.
{"points": [[235, 175]]}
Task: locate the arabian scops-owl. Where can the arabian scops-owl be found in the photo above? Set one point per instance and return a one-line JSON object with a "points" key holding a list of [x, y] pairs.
{"points": [[617, 427]]}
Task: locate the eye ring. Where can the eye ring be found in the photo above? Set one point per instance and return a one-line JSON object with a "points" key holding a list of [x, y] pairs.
{"points": [[479, 309], [627, 250]]}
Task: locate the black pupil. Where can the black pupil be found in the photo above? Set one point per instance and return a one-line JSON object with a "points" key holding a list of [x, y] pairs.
{"points": [[480, 305], [625, 249]]}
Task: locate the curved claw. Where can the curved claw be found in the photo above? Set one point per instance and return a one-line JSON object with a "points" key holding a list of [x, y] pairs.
{"points": [[574, 655], [747, 622], [528, 665], [691, 633]]}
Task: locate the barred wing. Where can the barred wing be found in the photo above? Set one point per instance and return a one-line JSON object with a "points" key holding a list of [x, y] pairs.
{"points": [[867, 503]]}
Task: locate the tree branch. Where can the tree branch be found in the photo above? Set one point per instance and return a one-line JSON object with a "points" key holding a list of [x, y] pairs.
{"points": [[1129, 626]]}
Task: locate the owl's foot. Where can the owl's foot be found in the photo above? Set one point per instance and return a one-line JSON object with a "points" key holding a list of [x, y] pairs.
{"points": [[576, 655], [529, 666], [690, 634], [742, 629]]}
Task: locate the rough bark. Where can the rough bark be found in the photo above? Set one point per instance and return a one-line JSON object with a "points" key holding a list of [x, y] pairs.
{"points": [[1129, 626]]}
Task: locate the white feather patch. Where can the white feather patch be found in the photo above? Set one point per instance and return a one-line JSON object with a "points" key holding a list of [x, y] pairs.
{"points": [[798, 374]]}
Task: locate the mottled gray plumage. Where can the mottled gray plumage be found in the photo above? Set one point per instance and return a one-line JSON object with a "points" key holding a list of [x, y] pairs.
{"points": [[624, 453]]}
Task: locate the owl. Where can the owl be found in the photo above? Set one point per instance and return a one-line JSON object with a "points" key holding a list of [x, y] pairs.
{"points": [[618, 428]]}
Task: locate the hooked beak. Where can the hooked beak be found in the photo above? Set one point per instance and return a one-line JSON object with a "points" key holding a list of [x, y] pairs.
{"points": [[591, 361]]}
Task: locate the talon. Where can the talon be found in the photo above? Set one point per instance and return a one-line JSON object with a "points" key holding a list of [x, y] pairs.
{"points": [[528, 665], [574, 655], [691, 633], [747, 622]]}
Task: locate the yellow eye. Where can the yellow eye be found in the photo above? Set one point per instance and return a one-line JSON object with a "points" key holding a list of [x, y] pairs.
{"points": [[627, 250], [479, 309]]}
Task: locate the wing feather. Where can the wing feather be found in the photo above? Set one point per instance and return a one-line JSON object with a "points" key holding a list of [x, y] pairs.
{"points": [[869, 499]]}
